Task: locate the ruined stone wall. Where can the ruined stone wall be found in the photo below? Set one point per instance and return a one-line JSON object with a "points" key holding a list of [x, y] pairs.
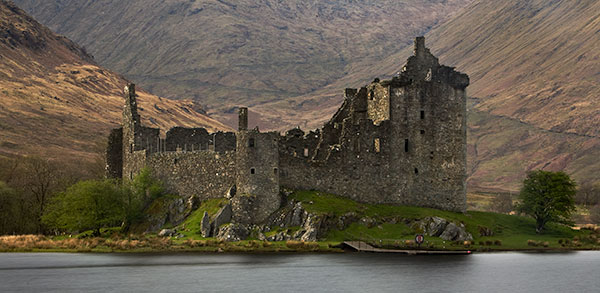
{"points": [[378, 102], [195, 139], [257, 176], [187, 139], [135, 162], [223, 141], [203, 174], [114, 154]]}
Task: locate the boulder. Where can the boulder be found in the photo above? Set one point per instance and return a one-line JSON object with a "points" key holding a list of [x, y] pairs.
{"points": [[435, 226], [166, 233], [311, 228], [233, 232], [455, 232], [222, 217], [178, 210], [205, 227]]}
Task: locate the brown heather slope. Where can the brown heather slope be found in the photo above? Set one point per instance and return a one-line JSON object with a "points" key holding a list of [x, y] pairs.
{"points": [[56, 102], [535, 67], [224, 53]]}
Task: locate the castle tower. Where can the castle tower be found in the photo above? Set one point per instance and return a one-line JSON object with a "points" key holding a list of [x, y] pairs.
{"points": [[428, 118], [257, 175]]}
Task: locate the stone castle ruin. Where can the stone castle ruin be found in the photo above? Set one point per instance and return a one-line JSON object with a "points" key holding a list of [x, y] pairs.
{"points": [[400, 141]]}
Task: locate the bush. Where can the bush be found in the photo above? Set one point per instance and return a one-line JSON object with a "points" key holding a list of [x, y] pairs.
{"points": [[91, 204]]}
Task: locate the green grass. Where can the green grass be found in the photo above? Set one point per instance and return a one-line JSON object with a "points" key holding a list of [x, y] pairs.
{"points": [[192, 225], [512, 231]]}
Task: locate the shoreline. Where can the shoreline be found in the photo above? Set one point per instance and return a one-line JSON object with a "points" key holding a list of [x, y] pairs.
{"points": [[218, 250]]}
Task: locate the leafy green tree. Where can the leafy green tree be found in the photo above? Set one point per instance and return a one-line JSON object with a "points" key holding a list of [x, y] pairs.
{"points": [[548, 197], [146, 187], [138, 194], [91, 204]]}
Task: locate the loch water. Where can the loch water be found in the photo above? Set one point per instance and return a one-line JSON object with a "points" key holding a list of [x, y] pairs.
{"points": [[348, 272]]}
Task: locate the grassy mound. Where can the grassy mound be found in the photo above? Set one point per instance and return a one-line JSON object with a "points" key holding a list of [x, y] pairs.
{"points": [[509, 231]]}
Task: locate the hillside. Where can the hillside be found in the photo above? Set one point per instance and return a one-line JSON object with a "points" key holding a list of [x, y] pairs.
{"points": [[534, 68], [56, 101], [535, 82], [227, 53]]}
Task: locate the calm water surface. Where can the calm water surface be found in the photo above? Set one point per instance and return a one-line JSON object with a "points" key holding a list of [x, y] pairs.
{"points": [[500, 272]]}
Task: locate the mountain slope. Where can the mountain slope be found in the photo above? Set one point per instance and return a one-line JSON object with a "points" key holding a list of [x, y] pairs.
{"points": [[56, 102], [535, 78], [226, 53]]}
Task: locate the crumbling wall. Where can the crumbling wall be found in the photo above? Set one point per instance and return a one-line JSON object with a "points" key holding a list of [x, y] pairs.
{"points": [[203, 174], [114, 154], [187, 139]]}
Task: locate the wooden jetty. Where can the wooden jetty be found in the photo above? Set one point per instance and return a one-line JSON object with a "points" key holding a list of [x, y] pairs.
{"points": [[361, 246]]}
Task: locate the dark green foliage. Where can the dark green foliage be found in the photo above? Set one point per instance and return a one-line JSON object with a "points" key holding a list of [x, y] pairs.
{"points": [[146, 187], [548, 197], [94, 204], [91, 204], [138, 195]]}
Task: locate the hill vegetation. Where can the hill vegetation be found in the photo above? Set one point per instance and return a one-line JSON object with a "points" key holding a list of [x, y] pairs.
{"points": [[227, 53], [534, 65], [55, 101]]}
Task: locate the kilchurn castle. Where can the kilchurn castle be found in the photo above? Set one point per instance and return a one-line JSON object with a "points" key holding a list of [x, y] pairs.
{"points": [[400, 141]]}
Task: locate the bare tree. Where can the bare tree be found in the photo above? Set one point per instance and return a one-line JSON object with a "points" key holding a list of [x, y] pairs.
{"points": [[588, 194], [39, 179]]}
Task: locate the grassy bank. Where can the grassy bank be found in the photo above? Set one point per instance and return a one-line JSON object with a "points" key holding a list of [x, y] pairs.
{"points": [[144, 244], [392, 228], [381, 225]]}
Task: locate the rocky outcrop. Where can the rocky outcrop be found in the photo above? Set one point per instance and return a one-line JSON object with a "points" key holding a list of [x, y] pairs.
{"points": [[233, 232], [222, 217], [173, 210], [205, 225], [456, 232], [167, 233], [440, 227]]}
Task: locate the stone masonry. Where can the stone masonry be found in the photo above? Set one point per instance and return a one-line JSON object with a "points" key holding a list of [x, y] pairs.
{"points": [[400, 141]]}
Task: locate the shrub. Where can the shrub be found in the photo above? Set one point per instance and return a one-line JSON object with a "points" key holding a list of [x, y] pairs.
{"points": [[498, 242]]}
